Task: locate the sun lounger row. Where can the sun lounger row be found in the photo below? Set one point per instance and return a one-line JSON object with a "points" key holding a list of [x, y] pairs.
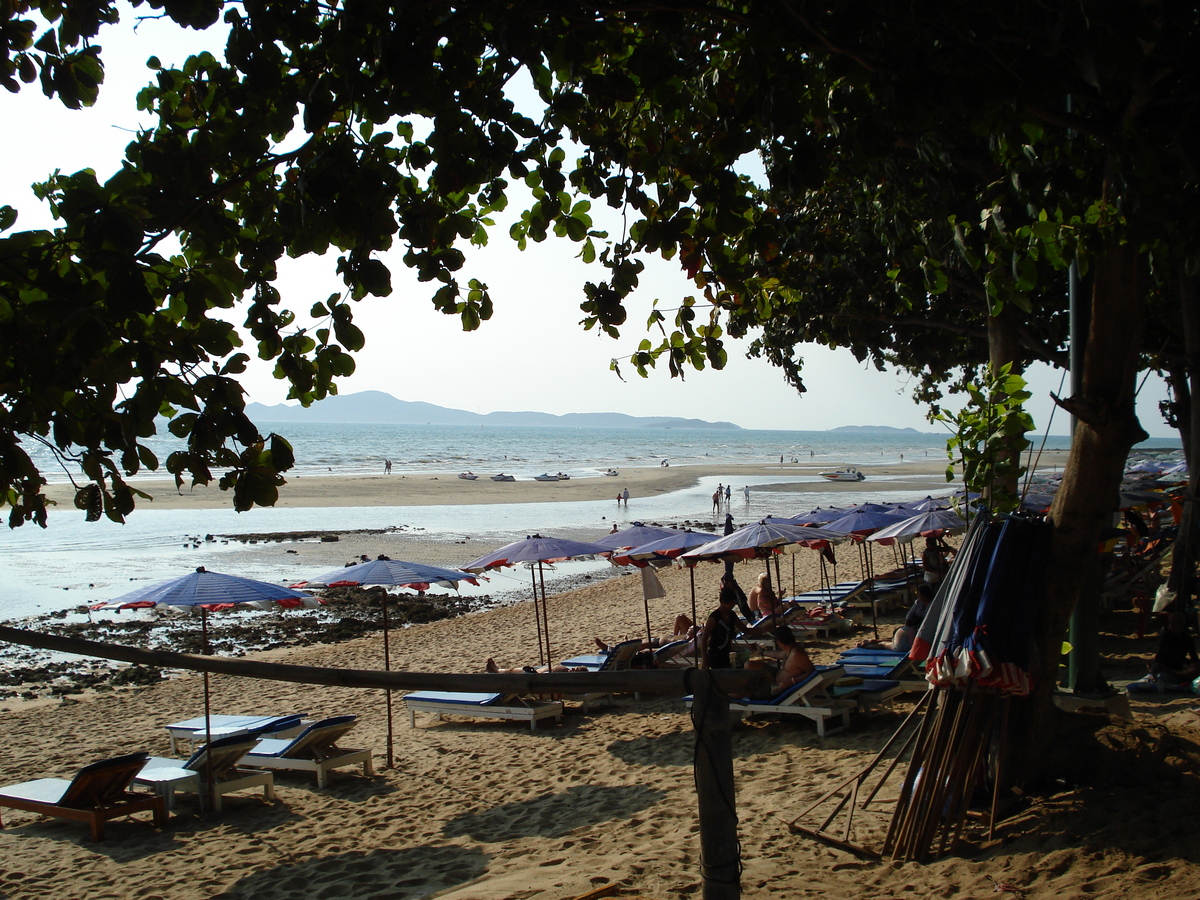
{"points": [[101, 791]]}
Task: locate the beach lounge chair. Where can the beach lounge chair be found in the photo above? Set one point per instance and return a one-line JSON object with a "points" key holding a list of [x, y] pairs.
{"points": [[216, 763], [195, 730], [481, 706], [809, 698], [315, 749], [619, 658], [672, 654], [869, 693], [903, 670], [97, 793]]}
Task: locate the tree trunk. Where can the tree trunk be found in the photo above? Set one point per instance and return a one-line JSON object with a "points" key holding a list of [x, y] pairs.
{"points": [[1107, 428], [1187, 414]]}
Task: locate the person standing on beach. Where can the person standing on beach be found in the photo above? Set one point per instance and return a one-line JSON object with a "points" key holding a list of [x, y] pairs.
{"points": [[625, 497], [746, 492], [722, 626], [728, 491], [387, 467], [716, 498]]}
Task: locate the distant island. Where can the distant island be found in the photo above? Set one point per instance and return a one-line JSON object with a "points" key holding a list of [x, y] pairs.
{"points": [[379, 408], [888, 429]]}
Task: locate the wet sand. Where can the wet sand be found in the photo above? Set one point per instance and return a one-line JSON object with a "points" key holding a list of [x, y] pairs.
{"points": [[448, 488]]}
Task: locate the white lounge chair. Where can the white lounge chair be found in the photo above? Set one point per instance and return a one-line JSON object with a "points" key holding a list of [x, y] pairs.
{"points": [[809, 698], [313, 750], [216, 763], [196, 730], [481, 706]]}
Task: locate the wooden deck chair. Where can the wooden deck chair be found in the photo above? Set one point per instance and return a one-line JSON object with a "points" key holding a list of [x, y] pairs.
{"points": [[97, 793], [313, 750], [215, 763], [809, 698], [481, 706]]}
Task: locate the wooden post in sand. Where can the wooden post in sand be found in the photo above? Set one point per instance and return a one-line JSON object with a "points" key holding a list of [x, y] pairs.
{"points": [[720, 859]]}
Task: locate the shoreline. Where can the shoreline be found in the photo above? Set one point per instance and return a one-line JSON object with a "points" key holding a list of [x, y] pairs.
{"points": [[322, 491]]}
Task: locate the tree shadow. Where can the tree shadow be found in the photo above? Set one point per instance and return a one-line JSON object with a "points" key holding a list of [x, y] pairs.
{"points": [[396, 874], [554, 815]]}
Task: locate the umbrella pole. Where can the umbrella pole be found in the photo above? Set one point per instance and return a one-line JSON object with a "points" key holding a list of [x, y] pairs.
{"points": [[387, 667], [537, 617], [545, 616], [208, 772], [869, 555], [695, 624], [646, 604]]}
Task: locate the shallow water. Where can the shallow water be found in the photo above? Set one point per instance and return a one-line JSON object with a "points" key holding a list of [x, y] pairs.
{"points": [[74, 563]]}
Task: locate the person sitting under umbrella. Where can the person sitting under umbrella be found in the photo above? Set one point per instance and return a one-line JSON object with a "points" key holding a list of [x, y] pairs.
{"points": [[685, 630], [793, 665], [763, 598], [903, 637]]}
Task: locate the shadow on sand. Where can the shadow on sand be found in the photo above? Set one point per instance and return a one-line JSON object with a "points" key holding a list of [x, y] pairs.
{"points": [[553, 815]]}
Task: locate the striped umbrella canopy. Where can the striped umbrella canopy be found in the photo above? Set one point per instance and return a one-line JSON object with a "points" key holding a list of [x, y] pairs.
{"points": [[209, 592], [934, 523], [397, 572], [819, 516], [760, 539], [635, 535], [536, 550], [664, 548], [927, 504], [860, 522]]}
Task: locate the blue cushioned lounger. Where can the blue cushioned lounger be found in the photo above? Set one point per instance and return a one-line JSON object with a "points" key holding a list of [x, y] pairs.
{"points": [[481, 705]]}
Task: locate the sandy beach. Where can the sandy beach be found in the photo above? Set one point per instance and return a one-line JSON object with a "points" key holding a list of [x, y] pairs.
{"points": [[448, 488], [483, 809], [487, 809]]}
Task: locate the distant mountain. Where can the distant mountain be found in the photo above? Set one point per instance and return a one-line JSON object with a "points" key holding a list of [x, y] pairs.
{"points": [[378, 408], [888, 429]]}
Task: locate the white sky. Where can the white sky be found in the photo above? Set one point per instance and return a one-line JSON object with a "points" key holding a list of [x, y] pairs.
{"points": [[533, 354]]}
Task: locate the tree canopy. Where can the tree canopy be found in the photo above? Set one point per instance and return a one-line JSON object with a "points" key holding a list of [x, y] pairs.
{"points": [[931, 171]]}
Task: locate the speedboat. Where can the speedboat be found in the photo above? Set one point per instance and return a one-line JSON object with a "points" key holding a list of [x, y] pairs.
{"points": [[545, 477], [843, 475], [503, 477], [468, 476]]}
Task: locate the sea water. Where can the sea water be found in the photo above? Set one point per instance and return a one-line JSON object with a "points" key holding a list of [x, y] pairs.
{"points": [[74, 562]]}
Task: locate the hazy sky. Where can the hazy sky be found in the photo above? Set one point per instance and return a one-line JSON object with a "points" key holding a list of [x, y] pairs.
{"points": [[533, 354]]}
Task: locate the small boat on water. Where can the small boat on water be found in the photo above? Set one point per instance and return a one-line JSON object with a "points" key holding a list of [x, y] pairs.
{"points": [[503, 477], [843, 475], [468, 476], [563, 476], [612, 472]]}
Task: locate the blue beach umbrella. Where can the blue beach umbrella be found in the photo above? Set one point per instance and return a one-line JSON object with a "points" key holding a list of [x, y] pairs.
{"points": [[208, 592], [536, 550], [663, 549], [393, 573], [634, 536]]}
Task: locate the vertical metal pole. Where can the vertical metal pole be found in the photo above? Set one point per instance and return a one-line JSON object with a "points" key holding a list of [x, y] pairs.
{"points": [[720, 860], [387, 667], [545, 617], [537, 616]]}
